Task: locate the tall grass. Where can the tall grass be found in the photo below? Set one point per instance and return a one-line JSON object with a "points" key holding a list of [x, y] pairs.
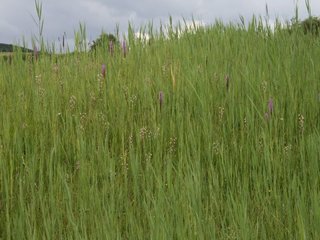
{"points": [[87, 156]]}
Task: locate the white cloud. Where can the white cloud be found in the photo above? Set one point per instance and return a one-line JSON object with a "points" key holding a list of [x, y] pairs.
{"points": [[142, 36]]}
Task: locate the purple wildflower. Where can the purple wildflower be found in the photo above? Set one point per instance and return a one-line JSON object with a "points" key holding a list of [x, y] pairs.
{"points": [[35, 52], [270, 106], [124, 48], [103, 70], [161, 98]]}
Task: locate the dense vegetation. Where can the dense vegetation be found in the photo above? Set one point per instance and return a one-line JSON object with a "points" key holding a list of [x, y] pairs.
{"points": [[6, 47], [310, 26], [210, 135], [103, 42], [10, 48]]}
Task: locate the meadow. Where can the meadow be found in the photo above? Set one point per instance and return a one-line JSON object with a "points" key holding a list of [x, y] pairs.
{"points": [[212, 134]]}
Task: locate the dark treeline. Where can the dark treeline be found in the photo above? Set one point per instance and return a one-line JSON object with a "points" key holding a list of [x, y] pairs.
{"points": [[10, 48]]}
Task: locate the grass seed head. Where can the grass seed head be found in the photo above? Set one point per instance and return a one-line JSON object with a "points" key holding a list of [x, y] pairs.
{"points": [[72, 103], [221, 113], [301, 123], [143, 132], [264, 85], [172, 145]]}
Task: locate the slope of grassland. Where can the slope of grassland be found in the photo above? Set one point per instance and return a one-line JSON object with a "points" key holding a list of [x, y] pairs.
{"points": [[8, 48], [231, 152]]}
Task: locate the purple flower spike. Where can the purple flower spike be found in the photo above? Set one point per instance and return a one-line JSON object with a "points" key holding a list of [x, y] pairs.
{"points": [[103, 70], [111, 48], [270, 106], [161, 99], [227, 79], [124, 48], [35, 52]]}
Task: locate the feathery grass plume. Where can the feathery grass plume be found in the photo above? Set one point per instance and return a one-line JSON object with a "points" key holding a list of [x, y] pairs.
{"points": [[103, 70], [124, 48], [227, 79], [161, 96]]}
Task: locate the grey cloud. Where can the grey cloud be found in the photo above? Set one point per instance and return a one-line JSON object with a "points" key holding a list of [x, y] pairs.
{"points": [[64, 15]]}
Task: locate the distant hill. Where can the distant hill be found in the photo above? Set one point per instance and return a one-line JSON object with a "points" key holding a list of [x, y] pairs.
{"points": [[9, 48]]}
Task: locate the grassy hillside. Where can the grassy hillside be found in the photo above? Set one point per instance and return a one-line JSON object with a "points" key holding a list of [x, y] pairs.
{"points": [[5, 48], [230, 151]]}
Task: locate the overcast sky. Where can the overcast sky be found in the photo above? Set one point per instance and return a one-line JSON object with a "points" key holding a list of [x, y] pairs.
{"points": [[65, 15]]}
